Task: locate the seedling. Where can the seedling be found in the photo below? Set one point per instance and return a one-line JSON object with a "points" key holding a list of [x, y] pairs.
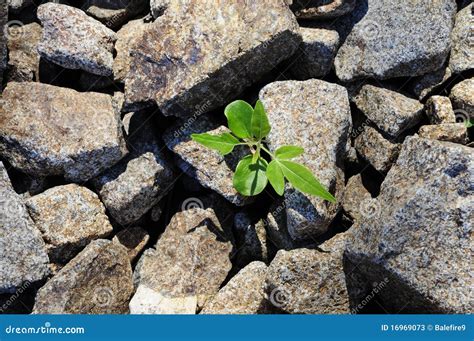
{"points": [[249, 126]]}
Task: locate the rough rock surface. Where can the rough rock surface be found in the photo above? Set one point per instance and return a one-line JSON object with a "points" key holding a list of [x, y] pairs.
{"points": [[23, 257], [356, 197], [251, 240], [374, 148], [134, 239], [277, 228], [74, 40], [114, 13], [304, 281], [3, 39], [23, 57], [17, 5], [322, 9], [138, 182], [210, 168], [393, 113], [244, 294], [462, 51], [48, 130], [97, 281], [158, 7], [315, 115], [377, 45], [439, 110], [422, 236], [203, 50], [463, 100], [69, 217], [316, 53], [424, 85], [453, 132], [189, 263]]}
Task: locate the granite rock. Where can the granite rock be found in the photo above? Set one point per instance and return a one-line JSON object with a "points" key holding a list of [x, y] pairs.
{"points": [[462, 51], [251, 240], [158, 7], [453, 132], [439, 110], [463, 100], [425, 85], [321, 9], [3, 39], [277, 228], [113, 14], [355, 198], [134, 239]]}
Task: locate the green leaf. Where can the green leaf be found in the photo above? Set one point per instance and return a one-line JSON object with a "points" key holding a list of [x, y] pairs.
{"points": [[249, 178], [469, 123], [288, 152], [302, 179], [224, 143], [276, 177], [260, 125], [239, 118]]}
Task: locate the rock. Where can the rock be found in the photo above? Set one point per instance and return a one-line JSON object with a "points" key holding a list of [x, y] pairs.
{"points": [[317, 52], [3, 39], [23, 57], [134, 239], [243, 294], [315, 115], [374, 148], [69, 217], [158, 7], [47, 130], [127, 36], [251, 240], [23, 256], [74, 40], [16, 6], [305, 281], [463, 100], [322, 9], [377, 45], [462, 51], [188, 265], [393, 113], [439, 110], [277, 228], [201, 51], [355, 198], [419, 240], [453, 132], [97, 281], [139, 181], [113, 14], [423, 86], [210, 168]]}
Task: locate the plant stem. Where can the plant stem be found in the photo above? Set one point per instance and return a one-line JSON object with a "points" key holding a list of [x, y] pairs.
{"points": [[268, 152]]}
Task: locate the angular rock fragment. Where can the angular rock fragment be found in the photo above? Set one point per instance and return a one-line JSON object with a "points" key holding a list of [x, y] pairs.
{"points": [[276, 227], [423, 86], [374, 148], [439, 110], [355, 197], [69, 217], [97, 281], [23, 256], [304, 281], [3, 39], [322, 9], [377, 45], [452, 132], [316, 53], [189, 263], [113, 14], [315, 115], [419, 240], [207, 51], [134, 239], [251, 240], [244, 294], [210, 168], [138, 182], [462, 51], [47, 130], [463, 100], [392, 112], [74, 40], [23, 57]]}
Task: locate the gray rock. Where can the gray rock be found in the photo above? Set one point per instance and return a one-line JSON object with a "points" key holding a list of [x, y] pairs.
{"points": [[304, 281], [134, 239], [378, 47], [16, 6], [47, 130], [3, 39], [356, 197], [188, 265], [439, 110], [74, 40], [251, 240], [374, 148], [158, 7], [23, 256], [393, 113], [277, 228], [315, 115], [23, 57], [419, 241], [201, 51], [321, 9], [210, 168], [423, 86], [463, 100], [453, 132], [69, 217], [316, 53], [462, 51], [139, 181], [244, 294], [113, 14], [97, 281]]}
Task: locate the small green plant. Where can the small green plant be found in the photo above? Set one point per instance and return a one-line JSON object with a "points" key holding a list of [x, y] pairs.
{"points": [[249, 127]]}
